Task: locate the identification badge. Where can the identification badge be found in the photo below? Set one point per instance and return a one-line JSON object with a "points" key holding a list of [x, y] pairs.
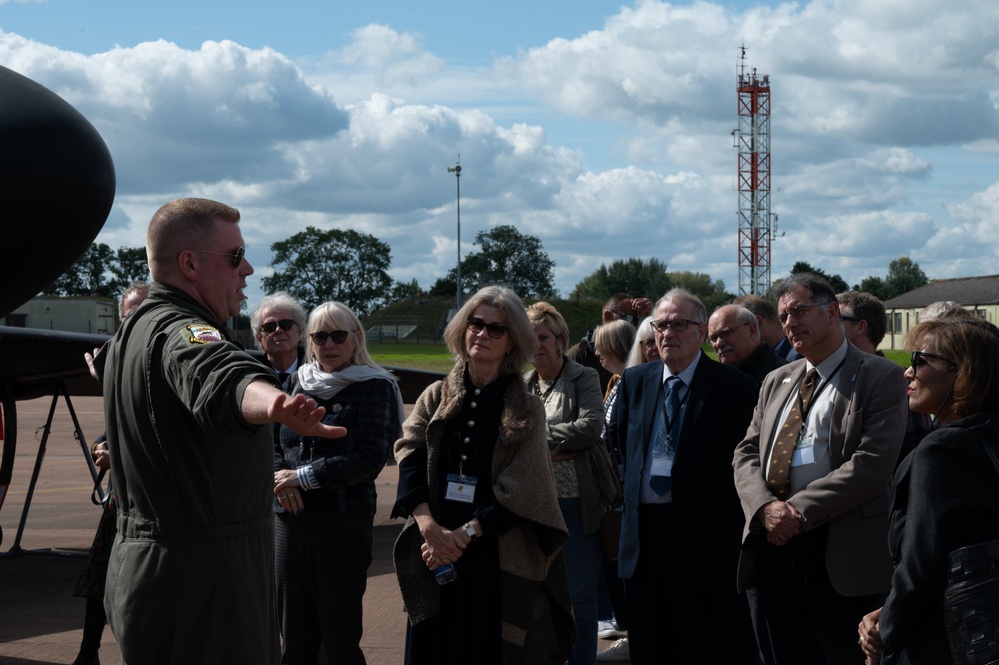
{"points": [[460, 488], [804, 452], [661, 466]]}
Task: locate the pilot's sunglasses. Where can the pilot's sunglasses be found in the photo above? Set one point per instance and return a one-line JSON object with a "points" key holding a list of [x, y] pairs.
{"points": [[494, 330], [283, 324], [236, 254], [338, 337]]}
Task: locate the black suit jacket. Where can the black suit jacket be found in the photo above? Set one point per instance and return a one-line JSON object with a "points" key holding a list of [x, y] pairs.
{"points": [[707, 519]]}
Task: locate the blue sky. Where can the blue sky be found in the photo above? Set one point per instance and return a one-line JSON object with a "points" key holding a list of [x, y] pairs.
{"points": [[601, 128]]}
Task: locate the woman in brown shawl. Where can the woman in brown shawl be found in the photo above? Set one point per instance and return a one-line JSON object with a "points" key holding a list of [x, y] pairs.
{"points": [[477, 489]]}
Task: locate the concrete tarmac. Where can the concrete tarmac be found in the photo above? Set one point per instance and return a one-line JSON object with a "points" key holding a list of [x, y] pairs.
{"points": [[41, 622]]}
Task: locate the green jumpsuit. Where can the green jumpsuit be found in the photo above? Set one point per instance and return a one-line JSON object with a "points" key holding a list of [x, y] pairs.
{"points": [[191, 573]]}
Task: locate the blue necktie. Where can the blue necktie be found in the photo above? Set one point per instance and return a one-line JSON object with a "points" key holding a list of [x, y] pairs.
{"points": [[662, 484]]}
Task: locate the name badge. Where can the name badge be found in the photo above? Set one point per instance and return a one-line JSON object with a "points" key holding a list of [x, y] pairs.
{"points": [[804, 452], [460, 488], [661, 466]]}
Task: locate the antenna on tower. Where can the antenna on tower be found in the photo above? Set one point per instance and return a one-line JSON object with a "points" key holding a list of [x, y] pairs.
{"points": [[752, 138]]}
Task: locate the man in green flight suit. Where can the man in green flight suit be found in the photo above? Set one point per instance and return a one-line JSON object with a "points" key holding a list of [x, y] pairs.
{"points": [[191, 572]]}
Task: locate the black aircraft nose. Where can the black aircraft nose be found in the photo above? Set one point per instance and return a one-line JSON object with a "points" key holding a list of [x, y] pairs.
{"points": [[56, 187]]}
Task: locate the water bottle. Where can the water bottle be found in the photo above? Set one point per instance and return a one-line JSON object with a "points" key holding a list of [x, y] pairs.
{"points": [[445, 573]]}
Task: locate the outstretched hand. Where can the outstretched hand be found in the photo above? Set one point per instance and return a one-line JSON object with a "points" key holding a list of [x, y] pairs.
{"points": [[302, 415]]}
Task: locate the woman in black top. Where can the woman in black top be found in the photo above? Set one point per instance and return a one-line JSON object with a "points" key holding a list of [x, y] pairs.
{"points": [[325, 490], [945, 493], [475, 483]]}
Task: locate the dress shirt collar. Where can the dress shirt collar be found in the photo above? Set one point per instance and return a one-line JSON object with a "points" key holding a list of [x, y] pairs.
{"points": [[828, 366], [687, 373]]}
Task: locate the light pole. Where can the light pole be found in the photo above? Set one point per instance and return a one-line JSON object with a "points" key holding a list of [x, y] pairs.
{"points": [[456, 170]]}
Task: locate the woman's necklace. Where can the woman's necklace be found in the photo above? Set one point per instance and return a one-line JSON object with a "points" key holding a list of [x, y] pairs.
{"points": [[551, 386]]}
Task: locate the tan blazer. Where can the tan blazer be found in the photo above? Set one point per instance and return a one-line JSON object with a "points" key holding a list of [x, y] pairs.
{"points": [[869, 419]]}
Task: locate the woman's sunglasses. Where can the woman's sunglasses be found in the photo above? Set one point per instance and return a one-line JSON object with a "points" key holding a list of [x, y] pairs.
{"points": [[271, 326], [918, 359], [338, 337], [494, 330]]}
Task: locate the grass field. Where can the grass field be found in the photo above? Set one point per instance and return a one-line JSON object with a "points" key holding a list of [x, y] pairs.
{"points": [[435, 357]]}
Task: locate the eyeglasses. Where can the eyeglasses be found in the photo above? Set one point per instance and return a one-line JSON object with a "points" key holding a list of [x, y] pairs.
{"points": [[677, 325], [852, 319], [918, 359], [630, 318], [725, 332], [648, 343], [798, 312], [494, 330], [319, 338], [236, 254], [283, 324]]}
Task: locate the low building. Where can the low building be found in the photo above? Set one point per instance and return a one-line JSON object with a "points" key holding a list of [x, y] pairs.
{"points": [[90, 315], [979, 295]]}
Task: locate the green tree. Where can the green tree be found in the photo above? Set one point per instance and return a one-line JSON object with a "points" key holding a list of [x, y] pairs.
{"points": [[873, 285], [710, 291], [904, 275], [445, 286], [838, 283], [633, 276], [88, 276], [405, 291], [508, 257], [317, 266], [129, 264]]}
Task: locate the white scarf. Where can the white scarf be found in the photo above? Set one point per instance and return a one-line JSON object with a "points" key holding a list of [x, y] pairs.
{"points": [[325, 385]]}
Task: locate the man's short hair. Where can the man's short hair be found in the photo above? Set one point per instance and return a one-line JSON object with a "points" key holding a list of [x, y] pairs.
{"points": [[700, 311], [182, 224], [137, 286], [614, 302], [819, 288], [865, 306], [759, 306]]}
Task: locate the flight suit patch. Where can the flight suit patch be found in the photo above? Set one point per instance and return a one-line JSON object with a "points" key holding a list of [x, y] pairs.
{"points": [[203, 334]]}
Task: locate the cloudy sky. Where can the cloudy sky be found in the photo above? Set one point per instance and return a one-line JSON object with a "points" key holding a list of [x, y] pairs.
{"points": [[603, 129]]}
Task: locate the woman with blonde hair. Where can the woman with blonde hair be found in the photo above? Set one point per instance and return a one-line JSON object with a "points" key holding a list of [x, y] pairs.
{"points": [[585, 479], [324, 490], [644, 348], [479, 560]]}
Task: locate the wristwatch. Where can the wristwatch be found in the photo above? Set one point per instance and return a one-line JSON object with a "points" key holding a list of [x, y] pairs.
{"points": [[470, 530]]}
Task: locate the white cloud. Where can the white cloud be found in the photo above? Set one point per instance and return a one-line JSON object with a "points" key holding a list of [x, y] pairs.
{"points": [[864, 94]]}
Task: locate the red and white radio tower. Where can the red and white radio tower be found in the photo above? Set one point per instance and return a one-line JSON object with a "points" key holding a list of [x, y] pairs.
{"points": [[752, 138]]}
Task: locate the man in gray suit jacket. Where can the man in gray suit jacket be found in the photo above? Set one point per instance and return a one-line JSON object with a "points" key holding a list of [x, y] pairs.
{"points": [[813, 476]]}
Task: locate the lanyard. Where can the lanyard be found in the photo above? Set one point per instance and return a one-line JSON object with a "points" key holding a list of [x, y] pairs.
{"points": [[815, 395]]}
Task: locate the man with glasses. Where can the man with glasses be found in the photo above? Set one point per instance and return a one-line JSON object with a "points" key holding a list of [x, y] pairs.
{"points": [[277, 325], [619, 307], [734, 334], [771, 331], [676, 424], [191, 571], [813, 474]]}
